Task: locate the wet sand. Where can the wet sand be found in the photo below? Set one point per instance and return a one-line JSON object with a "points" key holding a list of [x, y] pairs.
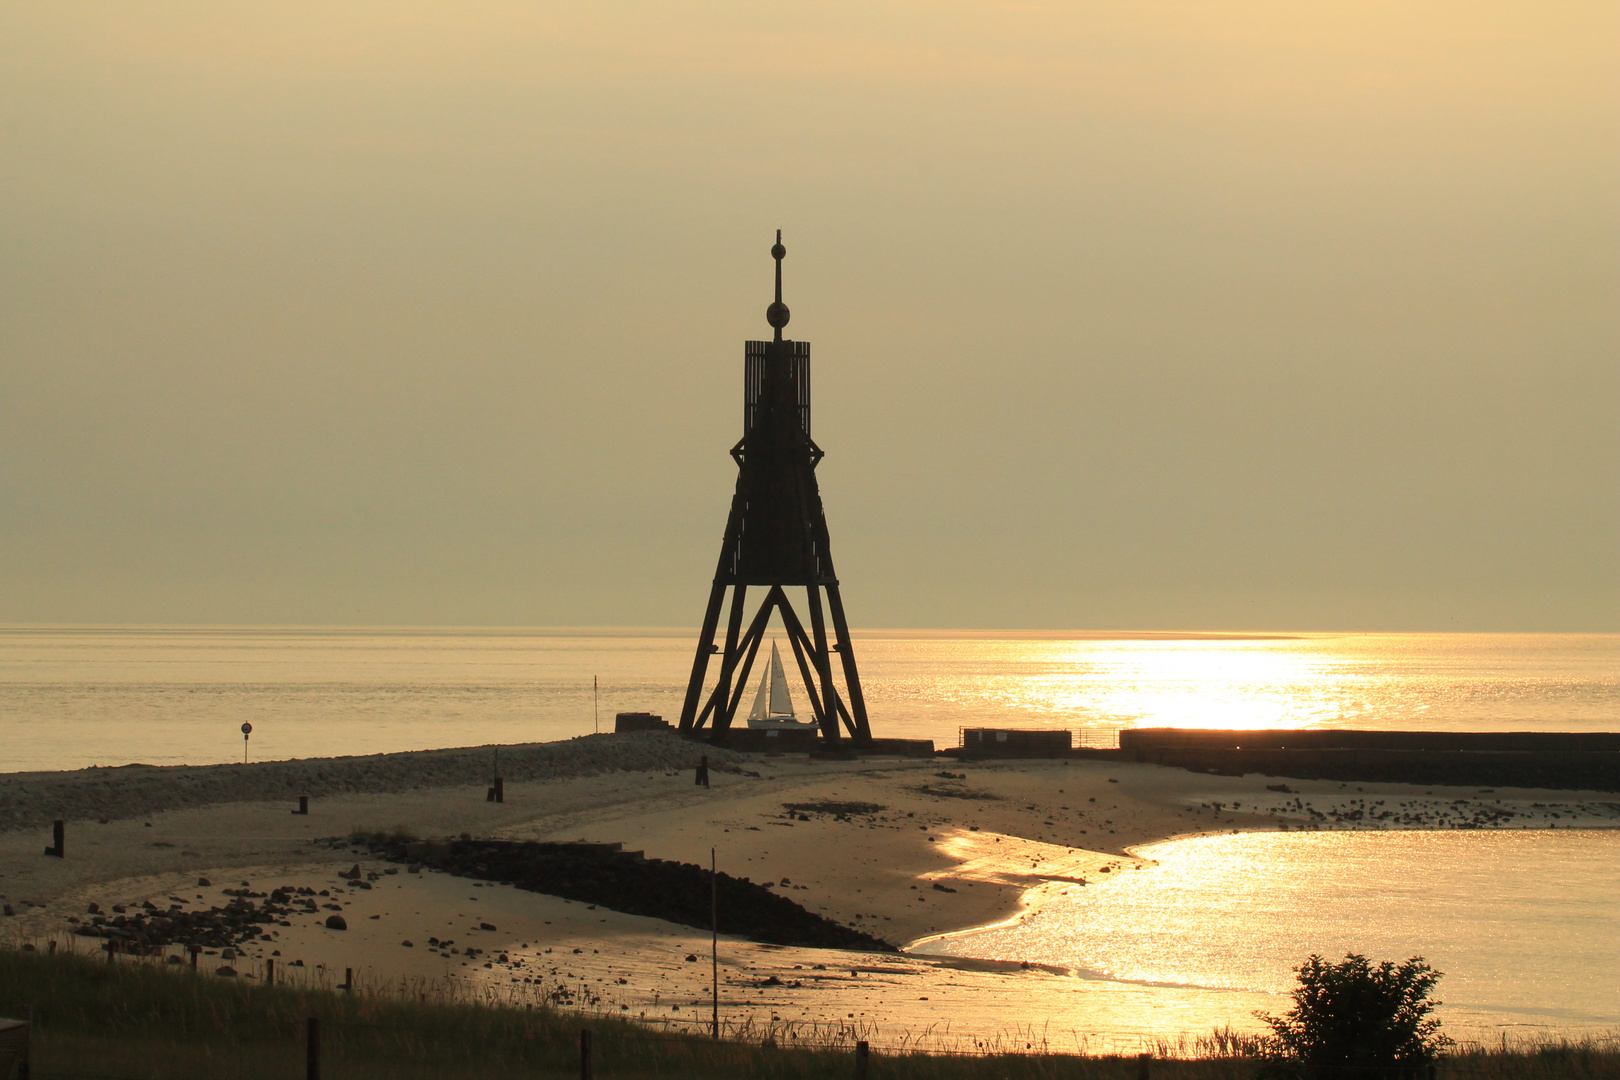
{"points": [[930, 854]]}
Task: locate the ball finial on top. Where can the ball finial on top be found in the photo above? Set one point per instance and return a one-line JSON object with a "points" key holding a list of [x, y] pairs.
{"points": [[777, 314]]}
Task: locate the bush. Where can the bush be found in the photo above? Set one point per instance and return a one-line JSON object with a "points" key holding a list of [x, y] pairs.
{"points": [[1352, 1014]]}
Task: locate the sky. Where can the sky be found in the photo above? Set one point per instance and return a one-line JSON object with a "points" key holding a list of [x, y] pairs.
{"points": [[1216, 315]]}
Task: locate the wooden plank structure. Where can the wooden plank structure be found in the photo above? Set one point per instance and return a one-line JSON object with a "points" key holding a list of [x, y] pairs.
{"points": [[776, 537]]}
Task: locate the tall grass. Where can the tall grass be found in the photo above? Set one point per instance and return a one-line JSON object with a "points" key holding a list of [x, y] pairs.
{"points": [[142, 1021]]}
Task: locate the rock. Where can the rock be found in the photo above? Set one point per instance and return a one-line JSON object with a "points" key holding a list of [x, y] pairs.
{"points": [[408, 945], [227, 972], [9, 910], [486, 926], [203, 883], [336, 922], [691, 958], [353, 873]]}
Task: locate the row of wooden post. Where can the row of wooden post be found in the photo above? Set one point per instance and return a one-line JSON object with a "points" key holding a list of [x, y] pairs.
{"points": [[58, 848], [587, 1070]]}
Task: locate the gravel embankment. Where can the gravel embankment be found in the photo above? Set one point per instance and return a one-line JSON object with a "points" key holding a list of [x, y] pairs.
{"points": [[30, 800]]}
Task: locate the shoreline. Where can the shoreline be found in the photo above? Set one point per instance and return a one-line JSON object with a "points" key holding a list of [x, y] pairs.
{"points": [[905, 850]]}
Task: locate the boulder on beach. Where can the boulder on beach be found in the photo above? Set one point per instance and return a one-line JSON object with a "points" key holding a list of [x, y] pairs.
{"points": [[336, 922]]}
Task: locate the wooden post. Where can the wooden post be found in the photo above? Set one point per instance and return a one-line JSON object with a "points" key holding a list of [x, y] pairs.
{"points": [[312, 1049], [585, 1070], [303, 805], [863, 1053], [348, 979], [195, 951], [714, 940], [269, 971], [25, 1068], [1144, 1066], [58, 848], [500, 789]]}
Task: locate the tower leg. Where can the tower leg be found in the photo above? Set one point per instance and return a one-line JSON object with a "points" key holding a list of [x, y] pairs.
{"points": [[852, 677], [728, 663], [700, 663], [829, 692], [798, 639]]}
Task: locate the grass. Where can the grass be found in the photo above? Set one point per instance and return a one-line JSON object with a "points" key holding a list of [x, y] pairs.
{"points": [[133, 1021]]}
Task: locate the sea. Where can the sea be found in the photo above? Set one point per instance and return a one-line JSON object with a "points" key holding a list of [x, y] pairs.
{"points": [[1525, 924]]}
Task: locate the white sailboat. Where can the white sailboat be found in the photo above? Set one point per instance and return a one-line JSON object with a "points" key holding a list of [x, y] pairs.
{"points": [[773, 707]]}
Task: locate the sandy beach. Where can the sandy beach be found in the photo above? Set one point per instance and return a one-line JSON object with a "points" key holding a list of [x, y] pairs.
{"points": [[902, 849]]}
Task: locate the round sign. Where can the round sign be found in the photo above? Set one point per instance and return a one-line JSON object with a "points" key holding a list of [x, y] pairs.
{"points": [[247, 729]]}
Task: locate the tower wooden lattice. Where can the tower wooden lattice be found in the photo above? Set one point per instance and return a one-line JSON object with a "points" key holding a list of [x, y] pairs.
{"points": [[776, 537]]}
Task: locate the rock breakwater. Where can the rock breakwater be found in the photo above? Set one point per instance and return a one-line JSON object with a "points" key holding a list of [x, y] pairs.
{"points": [[630, 883]]}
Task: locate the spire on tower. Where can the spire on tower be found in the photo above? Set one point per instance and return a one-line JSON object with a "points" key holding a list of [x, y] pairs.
{"points": [[776, 538], [777, 314]]}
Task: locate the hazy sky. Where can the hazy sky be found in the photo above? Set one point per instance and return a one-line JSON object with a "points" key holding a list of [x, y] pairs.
{"points": [[1204, 315]]}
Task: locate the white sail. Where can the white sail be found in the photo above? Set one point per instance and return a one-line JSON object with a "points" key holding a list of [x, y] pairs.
{"points": [[773, 705], [781, 703], [762, 699]]}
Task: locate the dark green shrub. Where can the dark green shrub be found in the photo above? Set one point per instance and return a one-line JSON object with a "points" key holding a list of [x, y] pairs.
{"points": [[1353, 1015]]}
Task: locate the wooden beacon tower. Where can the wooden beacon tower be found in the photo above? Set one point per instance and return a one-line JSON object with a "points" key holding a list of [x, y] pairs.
{"points": [[776, 538]]}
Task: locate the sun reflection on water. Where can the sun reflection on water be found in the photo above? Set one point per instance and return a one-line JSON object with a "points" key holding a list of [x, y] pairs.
{"points": [[1321, 680], [1522, 923], [1194, 684]]}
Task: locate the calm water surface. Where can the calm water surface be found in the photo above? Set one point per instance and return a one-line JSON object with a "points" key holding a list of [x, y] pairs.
{"points": [[71, 697], [1525, 925]]}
